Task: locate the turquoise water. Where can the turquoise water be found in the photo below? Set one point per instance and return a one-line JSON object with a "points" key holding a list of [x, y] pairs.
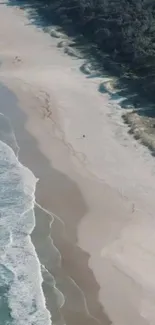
{"points": [[21, 298]]}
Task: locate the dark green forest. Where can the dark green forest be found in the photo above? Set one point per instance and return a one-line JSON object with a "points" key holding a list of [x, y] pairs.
{"points": [[123, 29]]}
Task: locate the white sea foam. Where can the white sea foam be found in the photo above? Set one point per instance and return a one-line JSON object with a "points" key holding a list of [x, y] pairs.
{"points": [[20, 271]]}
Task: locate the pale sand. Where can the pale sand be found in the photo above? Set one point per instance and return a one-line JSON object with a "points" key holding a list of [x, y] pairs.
{"points": [[102, 185]]}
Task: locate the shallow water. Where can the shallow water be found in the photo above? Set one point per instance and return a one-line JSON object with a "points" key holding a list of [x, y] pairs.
{"points": [[21, 296]]}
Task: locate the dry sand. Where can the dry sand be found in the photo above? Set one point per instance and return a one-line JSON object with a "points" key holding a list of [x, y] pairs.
{"points": [[101, 185]]}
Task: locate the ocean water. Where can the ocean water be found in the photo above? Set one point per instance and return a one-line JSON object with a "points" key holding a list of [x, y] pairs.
{"points": [[21, 297]]}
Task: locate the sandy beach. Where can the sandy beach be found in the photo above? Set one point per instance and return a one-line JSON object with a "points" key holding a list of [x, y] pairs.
{"points": [[95, 181]]}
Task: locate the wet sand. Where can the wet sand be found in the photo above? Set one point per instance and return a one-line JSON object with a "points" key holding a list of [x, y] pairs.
{"points": [[57, 193], [99, 188]]}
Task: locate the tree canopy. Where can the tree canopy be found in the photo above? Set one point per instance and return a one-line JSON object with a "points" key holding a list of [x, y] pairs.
{"points": [[125, 29]]}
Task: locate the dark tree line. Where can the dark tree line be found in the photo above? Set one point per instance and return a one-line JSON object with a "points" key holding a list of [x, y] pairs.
{"points": [[125, 29]]}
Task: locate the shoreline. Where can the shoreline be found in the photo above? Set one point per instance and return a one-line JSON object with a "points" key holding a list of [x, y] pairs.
{"points": [[100, 185], [85, 287]]}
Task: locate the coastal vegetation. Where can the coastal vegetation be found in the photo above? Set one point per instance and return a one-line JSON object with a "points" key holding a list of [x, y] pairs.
{"points": [[122, 29]]}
